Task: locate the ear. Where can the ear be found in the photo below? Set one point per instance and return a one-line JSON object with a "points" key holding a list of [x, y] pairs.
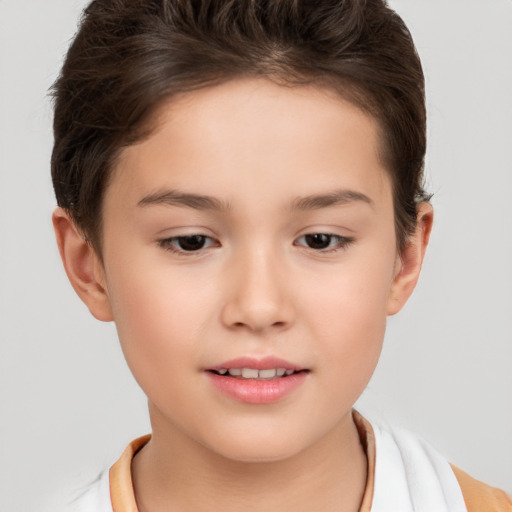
{"points": [[83, 267], [410, 260]]}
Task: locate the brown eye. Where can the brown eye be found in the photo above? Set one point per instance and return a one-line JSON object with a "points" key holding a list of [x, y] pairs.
{"points": [[318, 240], [187, 244], [191, 243], [324, 242]]}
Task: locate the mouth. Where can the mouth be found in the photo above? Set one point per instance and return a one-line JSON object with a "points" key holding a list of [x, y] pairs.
{"points": [[257, 381], [256, 374]]}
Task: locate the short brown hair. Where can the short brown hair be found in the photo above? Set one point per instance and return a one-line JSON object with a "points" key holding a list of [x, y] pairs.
{"points": [[131, 55]]}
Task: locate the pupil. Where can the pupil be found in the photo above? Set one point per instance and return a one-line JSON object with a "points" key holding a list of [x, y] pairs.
{"points": [[191, 243], [318, 240]]}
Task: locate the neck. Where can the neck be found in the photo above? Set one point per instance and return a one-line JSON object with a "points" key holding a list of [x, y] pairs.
{"points": [[173, 472]]}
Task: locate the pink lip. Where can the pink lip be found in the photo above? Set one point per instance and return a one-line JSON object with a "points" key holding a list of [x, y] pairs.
{"points": [[258, 364], [254, 391]]}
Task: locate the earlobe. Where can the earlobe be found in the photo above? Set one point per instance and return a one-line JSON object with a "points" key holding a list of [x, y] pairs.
{"points": [[411, 259], [82, 265]]}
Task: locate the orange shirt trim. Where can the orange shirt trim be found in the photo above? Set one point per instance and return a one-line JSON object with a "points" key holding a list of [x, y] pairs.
{"points": [[121, 485], [481, 497]]}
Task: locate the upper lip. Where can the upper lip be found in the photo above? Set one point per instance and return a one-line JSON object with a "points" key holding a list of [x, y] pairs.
{"points": [[266, 363]]}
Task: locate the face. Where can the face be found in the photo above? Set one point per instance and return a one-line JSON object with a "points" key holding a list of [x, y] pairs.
{"points": [[252, 233]]}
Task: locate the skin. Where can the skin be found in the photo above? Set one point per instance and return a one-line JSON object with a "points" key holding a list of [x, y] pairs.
{"points": [[257, 288]]}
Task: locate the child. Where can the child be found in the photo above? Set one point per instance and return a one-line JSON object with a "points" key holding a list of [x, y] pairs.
{"points": [[240, 190]]}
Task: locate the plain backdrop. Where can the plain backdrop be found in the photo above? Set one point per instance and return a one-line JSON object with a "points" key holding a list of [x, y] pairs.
{"points": [[69, 404]]}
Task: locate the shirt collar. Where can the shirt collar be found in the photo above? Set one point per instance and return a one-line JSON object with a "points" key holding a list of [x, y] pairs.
{"points": [[121, 485]]}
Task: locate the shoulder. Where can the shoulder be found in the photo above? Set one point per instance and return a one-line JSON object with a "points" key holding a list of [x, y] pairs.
{"points": [[423, 479], [112, 491], [95, 497], [479, 496]]}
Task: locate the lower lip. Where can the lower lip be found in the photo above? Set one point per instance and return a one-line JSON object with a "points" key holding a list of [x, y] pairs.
{"points": [[254, 391]]}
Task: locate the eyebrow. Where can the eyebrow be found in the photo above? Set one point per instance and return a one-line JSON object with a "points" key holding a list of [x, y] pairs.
{"points": [[203, 202], [177, 198], [336, 198]]}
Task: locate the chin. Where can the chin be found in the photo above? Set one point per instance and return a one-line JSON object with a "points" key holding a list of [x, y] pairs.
{"points": [[257, 454], [258, 447]]}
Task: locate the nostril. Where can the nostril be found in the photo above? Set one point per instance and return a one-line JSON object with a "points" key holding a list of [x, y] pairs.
{"points": [[257, 313], [275, 325]]}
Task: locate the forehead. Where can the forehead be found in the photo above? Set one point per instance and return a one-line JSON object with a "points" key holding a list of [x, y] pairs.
{"points": [[251, 133]]}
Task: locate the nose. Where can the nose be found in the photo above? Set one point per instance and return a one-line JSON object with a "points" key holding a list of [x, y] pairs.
{"points": [[259, 297]]}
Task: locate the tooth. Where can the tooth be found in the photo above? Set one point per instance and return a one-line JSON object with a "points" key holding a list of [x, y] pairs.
{"points": [[235, 372], [289, 372], [249, 373], [280, 372], [267, 374], [222, 371]]}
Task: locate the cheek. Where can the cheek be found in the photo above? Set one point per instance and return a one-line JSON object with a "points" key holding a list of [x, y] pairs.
{"points": [[159, 316], [352, 342], [150, 295], [352, 297], [353, 330], [348, 315]]}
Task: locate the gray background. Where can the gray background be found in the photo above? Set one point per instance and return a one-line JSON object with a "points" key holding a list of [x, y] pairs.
{"points": [[68, 403]]}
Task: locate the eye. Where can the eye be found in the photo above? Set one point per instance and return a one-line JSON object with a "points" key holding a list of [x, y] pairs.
{"points": [[187, 243], [324, 241]]}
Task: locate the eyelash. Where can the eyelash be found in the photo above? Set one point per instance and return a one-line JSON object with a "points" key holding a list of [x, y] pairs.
{"points": [[172, 244], [342, 242]]}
